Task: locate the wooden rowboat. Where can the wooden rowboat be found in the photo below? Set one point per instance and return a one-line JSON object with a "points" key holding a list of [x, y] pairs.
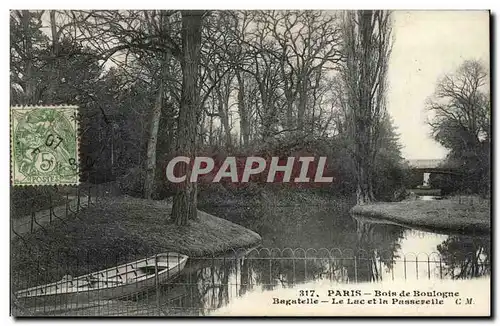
{"points": [[113, 282]]}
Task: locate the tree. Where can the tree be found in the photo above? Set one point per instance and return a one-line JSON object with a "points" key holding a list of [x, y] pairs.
{"points": [[460, 120], [184, 204], [165, 65], [134, 39], [240, 55], [389, 174], [461, 107], [367, 46], [284, 76], [28, 48], [306, 43]]}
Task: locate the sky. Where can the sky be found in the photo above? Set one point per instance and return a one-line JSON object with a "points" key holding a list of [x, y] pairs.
{"points": [[427, 45]]}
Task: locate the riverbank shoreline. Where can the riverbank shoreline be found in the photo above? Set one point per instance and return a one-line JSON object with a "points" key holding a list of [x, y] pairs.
{"points": [[446, 215], [117, 230]]}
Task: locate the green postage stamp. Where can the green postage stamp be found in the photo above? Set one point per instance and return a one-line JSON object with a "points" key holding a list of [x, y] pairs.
{"points": [[44, 145]]}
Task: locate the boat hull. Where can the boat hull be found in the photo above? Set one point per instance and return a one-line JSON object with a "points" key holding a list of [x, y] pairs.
{"points": [[117, 282]]}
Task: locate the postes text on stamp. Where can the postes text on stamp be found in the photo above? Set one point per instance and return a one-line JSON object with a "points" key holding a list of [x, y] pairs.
{"points": [[44, 145]]}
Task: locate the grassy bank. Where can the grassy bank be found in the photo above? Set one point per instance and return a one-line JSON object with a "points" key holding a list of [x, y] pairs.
{"points": [[25, 200], [454, 214], [118, 230]]}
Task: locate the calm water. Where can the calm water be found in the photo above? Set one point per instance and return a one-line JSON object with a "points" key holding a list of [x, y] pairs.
{"points": [[304, 246], [307, 249]]}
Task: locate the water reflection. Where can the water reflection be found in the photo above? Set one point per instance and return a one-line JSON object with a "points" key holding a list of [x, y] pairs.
{"points": [[311, 246], [380, 245], [422, 254], [382, 252], [466, 257], [209, 284], [428, 197]]}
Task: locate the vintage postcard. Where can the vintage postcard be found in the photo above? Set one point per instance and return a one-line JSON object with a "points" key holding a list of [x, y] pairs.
{"points": [[250, 163]]}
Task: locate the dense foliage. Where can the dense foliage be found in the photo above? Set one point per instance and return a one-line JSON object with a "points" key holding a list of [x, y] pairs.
{"points": [[461, 122], [268, 82]]}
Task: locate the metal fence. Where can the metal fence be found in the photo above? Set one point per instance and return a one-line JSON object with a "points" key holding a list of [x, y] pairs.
{"points": [[68, 283], [89, 283], [56, 206]]}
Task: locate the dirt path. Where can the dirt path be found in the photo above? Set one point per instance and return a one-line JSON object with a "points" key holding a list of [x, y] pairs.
{"points": [[26, 224]]}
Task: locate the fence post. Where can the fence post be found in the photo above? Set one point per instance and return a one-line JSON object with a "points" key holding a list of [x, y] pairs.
{"points": [[50, 209], [67, 203], [88, 197], [305, 266], [157, 283], [404, 263], [37, 281], [270, 273], [32, 222], [236, 263], [416, 266], [380, 270], [428, 267], [96, 199], [355, 269], [77, 200]]}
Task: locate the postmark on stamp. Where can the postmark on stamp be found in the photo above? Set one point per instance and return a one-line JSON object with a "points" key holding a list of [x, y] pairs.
{"points": [[44, 145]]}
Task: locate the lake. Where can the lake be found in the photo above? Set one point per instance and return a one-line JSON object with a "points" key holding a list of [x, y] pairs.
{"points": [[304, 247]]}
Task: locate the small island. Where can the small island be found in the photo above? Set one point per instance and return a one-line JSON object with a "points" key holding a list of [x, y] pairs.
{"points": [[466, 215]]}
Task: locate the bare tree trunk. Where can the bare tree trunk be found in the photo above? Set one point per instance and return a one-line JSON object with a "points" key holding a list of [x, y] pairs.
{"points": [[364, 190], [266, 114], [152, 142], [211, 130], [169, 113], [316, 103], [224, 117], [301, 108], [244, 123], [29, 97], [184, 204], [202, 128], [55, 52]]}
